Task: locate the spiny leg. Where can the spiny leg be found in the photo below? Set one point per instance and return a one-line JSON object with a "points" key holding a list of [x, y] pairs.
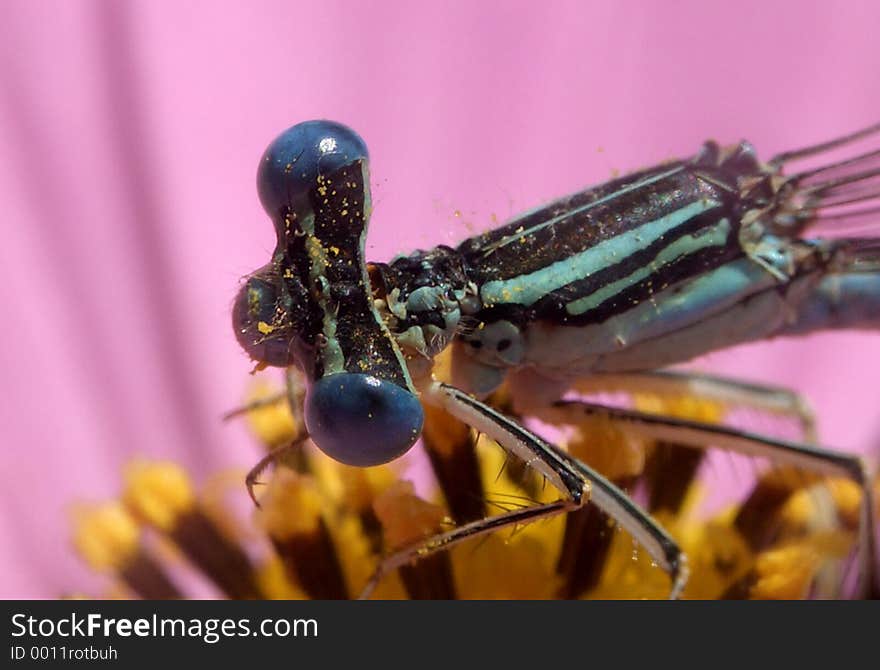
{"points": [[294, 391], [574, 479], [470, 530], [277, 455], [828, 145], [289, 452], [703, 435], [256, 404], [725, 390]]}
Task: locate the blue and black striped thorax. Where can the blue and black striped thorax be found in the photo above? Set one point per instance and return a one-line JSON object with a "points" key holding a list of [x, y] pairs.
{"points": [[587, 257]]}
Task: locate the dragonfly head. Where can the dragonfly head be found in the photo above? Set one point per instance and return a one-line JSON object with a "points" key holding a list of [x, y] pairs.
{"points": [[312, 305]]}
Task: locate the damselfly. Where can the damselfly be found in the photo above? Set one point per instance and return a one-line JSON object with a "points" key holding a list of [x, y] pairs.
{"points": [[601, 289]]}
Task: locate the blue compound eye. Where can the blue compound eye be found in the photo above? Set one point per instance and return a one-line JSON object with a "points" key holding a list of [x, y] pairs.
{"points": [[254, 321], [361, 420], [291, 165]]}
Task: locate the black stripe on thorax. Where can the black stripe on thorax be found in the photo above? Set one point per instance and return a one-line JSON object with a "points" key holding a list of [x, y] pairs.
{"points": [[690, 267], [559, 207], [570, 226]]}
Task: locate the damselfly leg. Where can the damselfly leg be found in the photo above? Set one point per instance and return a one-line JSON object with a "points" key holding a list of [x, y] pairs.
{"points": [[290, 449], [842, 192], [701, 436], [579, 483], [294, 392], [730, 392], [574, 480]]}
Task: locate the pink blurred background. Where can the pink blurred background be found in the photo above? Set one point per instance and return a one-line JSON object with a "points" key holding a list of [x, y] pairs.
{"points": [[129, 139]]}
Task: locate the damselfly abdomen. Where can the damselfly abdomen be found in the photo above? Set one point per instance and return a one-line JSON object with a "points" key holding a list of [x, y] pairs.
{"points": [[598, 290]]}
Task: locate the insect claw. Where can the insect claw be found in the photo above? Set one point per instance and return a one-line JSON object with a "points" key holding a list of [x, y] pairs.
{"points": [[250, 489], [271, 458]]}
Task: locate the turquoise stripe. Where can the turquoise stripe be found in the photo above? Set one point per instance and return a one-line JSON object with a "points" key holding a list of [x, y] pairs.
{"points": [[672, 310], [683, 246], [528, 289]]}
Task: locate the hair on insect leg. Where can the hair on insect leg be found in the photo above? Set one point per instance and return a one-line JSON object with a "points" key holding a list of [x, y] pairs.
{"points": [[444, 541], [509, 501]]}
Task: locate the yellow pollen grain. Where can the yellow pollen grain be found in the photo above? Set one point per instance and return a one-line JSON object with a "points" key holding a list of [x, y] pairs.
{"points": [[264, 327]]}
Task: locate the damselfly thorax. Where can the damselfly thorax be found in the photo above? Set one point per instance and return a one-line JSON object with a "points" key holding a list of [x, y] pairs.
{"points": [[648, 270], [613, 283]]}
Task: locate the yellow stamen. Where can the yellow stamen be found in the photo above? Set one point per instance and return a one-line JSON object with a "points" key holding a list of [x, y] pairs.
{"points": [[405, 517], [273, 424], [784, 573], [847, 496], [158, 492], [444, 433], [604, 445], [361, 486], [106, 535], [291, 505], [718, 554], [276, 582]]}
